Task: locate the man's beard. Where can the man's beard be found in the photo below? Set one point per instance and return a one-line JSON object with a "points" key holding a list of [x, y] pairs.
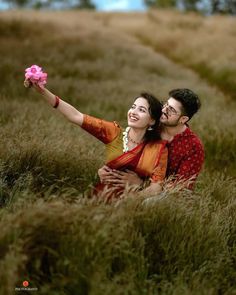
{"points": [[173, 124], [170, 124]]}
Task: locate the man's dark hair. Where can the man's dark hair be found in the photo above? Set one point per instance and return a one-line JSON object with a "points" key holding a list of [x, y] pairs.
{"points": [[189, 100], [155, 111]]}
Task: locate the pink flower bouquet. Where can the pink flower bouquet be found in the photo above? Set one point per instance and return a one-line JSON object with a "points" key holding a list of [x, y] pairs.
{"points": [[35, 75]]}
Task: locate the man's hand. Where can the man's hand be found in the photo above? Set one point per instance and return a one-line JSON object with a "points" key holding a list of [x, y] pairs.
{"points": [[120, 178]]}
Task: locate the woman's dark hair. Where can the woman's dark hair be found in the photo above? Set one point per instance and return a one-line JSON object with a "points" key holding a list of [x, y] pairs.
{"points": [[189, 100], [155, 111]]}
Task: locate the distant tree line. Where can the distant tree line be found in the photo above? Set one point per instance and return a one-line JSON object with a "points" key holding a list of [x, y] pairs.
{"points": [[210, 6], [207, 6], [37, 4]]}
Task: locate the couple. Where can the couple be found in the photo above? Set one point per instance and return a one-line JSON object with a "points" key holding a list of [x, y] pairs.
{"points": [[156, 144], [185, 150]]}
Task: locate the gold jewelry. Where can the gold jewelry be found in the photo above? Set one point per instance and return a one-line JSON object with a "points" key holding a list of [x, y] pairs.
{"points": [[133, 141], [126, 138]]}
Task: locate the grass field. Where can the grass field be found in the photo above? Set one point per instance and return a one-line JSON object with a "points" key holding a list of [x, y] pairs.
{"points": [[63, 243]]}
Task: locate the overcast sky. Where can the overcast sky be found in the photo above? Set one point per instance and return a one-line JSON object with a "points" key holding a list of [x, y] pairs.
{"points": [[119, 5]]}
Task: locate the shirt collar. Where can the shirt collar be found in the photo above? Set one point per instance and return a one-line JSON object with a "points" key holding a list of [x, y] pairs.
{"points": [[187, 132]]}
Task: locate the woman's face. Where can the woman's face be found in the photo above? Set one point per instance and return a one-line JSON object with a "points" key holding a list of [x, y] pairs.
{"points": [[138, 115]]}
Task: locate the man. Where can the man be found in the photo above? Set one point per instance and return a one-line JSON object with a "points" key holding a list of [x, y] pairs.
{"points": [[185, 150]]}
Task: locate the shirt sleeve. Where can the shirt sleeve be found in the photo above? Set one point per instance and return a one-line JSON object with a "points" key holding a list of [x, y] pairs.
{"points": [[103, 130], [159, 172], [191, 165]]}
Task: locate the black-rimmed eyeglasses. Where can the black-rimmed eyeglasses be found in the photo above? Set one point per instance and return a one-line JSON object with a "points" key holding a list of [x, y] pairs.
{"points": [[170, 110]]}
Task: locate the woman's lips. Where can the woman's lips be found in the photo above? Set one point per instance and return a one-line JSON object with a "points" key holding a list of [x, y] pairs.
{"points": [[133, 118]]}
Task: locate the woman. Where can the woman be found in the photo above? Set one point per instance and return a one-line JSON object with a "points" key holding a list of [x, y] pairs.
{"points": [[137, 148]]}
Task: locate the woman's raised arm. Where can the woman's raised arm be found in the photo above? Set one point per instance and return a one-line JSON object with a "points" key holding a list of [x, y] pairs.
{"points": [[71, 113]]}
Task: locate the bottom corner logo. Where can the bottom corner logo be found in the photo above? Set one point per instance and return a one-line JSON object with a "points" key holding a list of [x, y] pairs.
{"points": [[25, 283]]}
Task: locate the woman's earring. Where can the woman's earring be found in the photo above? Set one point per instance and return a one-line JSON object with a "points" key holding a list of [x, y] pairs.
{"points": [[150, 128]]}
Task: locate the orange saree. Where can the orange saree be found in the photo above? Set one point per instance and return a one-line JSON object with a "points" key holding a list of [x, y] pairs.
{"points": [[148, 159]]}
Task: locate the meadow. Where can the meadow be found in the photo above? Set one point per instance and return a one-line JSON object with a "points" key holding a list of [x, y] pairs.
{"points": [[51, 234]]}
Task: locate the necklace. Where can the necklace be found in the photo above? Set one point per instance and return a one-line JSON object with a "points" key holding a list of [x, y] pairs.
{"points": [[133, 141], [126, 139]]}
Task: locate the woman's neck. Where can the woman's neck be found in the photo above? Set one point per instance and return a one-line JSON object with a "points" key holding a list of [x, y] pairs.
{"points": [[136, 136]]}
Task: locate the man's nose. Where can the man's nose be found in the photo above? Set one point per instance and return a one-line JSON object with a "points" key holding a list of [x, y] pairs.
{"points": [[164, 110]]}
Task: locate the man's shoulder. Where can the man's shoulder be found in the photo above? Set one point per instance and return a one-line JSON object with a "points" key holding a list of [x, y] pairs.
{"points": [[193, 138]]}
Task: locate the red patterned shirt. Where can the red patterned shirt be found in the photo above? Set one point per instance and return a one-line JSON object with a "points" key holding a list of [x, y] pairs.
{"points": [[186, 157]]}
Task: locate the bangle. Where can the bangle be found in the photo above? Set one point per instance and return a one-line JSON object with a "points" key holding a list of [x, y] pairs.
{"points": [[57, 101]]}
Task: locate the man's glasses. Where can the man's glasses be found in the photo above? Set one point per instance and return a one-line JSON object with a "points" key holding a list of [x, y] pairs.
{"points": [[170, 110]]}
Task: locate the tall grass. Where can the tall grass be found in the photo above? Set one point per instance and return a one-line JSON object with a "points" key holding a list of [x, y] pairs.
{"points": [[51, 234], [133, 248], [205, 44]]}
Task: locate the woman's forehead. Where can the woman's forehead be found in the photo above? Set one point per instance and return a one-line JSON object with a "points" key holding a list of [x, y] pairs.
{"points": [[140, 101]]}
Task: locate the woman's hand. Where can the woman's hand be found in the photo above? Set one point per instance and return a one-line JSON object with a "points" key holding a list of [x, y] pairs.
{"points": [[104, 174], [126, 177], [27, 83], [37, 87], [120, 178]]}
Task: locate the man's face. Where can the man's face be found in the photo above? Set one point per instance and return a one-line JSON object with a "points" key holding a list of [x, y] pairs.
{"points": [[171, 113]]}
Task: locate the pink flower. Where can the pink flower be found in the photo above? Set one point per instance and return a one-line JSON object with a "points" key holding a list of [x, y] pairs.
{"points": [[36, 75]]}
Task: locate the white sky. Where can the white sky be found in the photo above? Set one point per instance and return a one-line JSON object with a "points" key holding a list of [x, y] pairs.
{"points": [[119, 5]]}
